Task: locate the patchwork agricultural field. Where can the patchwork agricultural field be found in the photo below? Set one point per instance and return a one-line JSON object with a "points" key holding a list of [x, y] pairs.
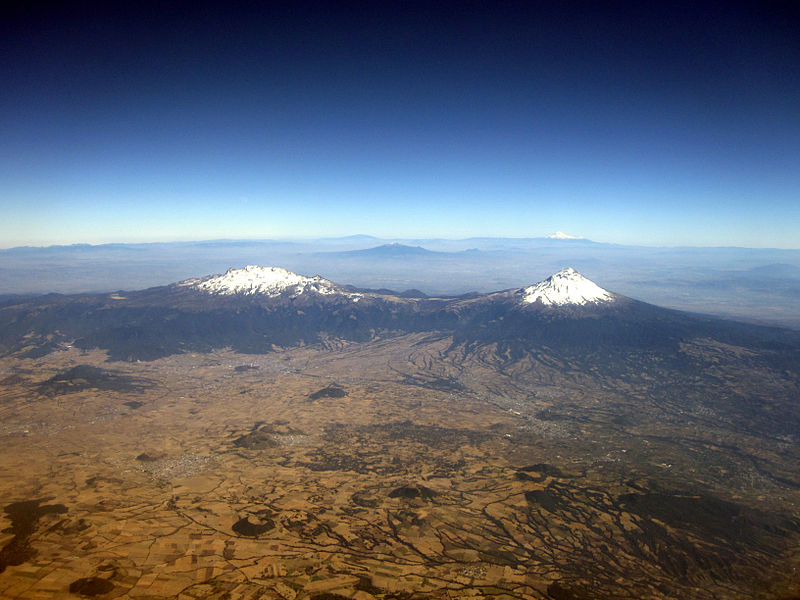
{"points": [[391, 469]]}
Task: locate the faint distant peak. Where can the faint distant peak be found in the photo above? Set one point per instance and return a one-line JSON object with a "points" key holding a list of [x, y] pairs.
{"points": [[566, 287], [264, 281], [397, 246], [560, 235], [392, 250]]}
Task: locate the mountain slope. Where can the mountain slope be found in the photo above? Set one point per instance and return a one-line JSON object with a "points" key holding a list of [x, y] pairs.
{"points": [[257, 308]]}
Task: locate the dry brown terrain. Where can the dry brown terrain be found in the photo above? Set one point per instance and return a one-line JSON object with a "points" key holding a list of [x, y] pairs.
{"points": [[385, 470]]}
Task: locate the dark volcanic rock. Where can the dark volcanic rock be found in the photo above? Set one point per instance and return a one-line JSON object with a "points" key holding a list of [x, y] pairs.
{"points": [[90, 586], [256, 440], [709, 517], [365, 500], [548, 499], [24, 518], [145, 457], [246, 528], [409, 492], [332, 391], [85, 377], [558, 591]]}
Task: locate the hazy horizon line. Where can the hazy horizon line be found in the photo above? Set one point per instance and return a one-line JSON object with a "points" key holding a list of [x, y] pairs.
{"points": [[307, 239]]}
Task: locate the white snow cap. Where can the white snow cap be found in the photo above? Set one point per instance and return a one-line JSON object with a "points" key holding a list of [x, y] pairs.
{"points": [[566, 287], [267, 281], [560, 235]]}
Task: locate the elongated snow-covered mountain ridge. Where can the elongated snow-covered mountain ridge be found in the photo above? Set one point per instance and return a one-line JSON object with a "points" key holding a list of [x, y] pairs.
{"points": [[567, 287], [267, 281]]}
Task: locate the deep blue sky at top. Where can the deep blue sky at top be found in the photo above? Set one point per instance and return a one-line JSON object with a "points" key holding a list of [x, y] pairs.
{"points": [[653, 123]]}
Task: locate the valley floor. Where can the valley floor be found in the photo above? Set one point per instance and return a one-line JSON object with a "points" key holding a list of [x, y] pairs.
{"points": [[395, 469]]}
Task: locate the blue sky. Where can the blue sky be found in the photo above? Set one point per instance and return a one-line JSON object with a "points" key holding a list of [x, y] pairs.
{"points": [[674, 125]]}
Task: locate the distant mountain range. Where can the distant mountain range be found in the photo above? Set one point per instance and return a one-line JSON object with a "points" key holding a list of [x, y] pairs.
{"points": [[258, 309], [359, 239], [759, 285]]}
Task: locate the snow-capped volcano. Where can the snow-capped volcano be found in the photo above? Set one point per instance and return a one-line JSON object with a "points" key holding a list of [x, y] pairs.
{"points": [[266, 281], [566, 287], [560, 235], [257, 309]]}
